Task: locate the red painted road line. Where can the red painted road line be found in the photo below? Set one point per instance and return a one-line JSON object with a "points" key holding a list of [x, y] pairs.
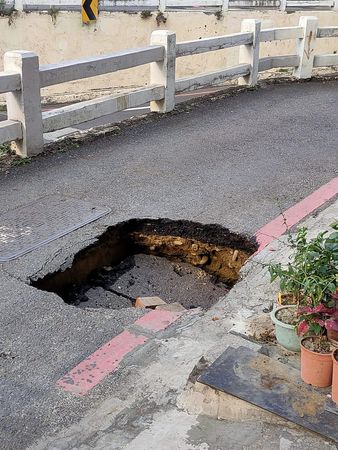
{"points": [[296, 213], [88, 373], [96, 367], [157, 319]]}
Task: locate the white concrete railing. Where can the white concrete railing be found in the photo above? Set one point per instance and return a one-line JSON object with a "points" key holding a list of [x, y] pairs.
{"points": [[23, 77], [174, 5]]}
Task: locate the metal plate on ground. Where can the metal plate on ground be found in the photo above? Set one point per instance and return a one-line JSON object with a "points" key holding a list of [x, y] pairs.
{"points": [[331, 406], [273, 386], [30, 226]]}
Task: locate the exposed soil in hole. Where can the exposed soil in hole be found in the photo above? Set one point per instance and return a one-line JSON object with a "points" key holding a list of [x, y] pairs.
{"points": [[318, 345], [288, 316], [179, 261], [144, 276]]}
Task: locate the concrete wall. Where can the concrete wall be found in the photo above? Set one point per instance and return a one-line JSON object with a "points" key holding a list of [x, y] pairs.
{"points": [[64, 37]]}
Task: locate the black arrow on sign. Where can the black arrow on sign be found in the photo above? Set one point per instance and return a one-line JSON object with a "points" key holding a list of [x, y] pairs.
{"points": [[87, 7]]}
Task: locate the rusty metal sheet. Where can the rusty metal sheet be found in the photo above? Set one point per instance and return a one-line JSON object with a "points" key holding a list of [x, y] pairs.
{"points": [[331, 406], [273, 386], [30, 226]]}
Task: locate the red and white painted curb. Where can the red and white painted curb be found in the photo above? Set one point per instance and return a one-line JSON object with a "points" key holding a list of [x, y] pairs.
{"points": [[106, 360], [158, 320]]}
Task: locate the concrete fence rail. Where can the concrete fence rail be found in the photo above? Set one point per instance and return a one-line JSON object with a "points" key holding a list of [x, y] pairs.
{"points": [[23, 77], [174, 5]]}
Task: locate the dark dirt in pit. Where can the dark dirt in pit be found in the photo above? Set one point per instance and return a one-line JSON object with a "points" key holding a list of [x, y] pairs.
{"points": [[180, 261], [144, 276]]}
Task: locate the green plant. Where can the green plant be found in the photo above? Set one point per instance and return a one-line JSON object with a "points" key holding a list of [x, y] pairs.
{"points": [[219, 15], [160, 18], [64, 145], [283, 70], [146, 14], [12, 16], [5, 149], [8, 11], [53, 12], [312, 274], [312, 278], [22, 161]]}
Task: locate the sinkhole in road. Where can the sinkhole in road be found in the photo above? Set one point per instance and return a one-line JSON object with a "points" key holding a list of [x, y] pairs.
{"points": [[177, 260]]}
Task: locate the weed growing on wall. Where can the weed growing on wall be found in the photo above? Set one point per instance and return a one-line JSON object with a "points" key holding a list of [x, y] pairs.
{"points": [[160, 18], [219, 15], [9, 12], [53, 12], [146, 14]]}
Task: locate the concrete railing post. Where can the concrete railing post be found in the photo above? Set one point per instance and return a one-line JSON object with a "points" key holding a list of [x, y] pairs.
{"points": [[249, 54], [18, 5], [163, 72], [25, 105], [306, 47], [225, 5], [283, 5], [162, 6]]}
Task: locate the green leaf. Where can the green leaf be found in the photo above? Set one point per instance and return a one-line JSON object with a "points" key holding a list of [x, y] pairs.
{"points": [[316, 329]]}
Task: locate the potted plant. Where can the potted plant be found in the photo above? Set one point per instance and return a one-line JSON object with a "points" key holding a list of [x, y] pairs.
{"points": [[285, 320], [316, 350], [316, 361], [335, 376], [331, 323], [311, 279]]}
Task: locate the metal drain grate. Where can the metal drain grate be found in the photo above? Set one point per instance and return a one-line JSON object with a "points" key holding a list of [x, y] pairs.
{"points": [[51, 217]]}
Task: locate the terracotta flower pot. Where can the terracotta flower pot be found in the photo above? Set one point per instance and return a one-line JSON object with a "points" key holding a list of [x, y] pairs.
{"points": [[316, 368], [332, 336], [335, 376]]}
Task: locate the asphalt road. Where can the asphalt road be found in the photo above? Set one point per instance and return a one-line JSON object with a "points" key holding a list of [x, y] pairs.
{"points": [[236, 161]]}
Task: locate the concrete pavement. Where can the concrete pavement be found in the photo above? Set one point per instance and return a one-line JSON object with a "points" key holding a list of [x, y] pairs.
{"points": [[237, 161]]}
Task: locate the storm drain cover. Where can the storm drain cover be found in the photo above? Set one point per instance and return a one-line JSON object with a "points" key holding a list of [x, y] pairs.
{"points": [[51, 217], [273, 386]]}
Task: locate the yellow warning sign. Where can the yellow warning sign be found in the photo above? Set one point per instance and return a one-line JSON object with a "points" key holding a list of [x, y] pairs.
{"points": [[90, 10]]}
